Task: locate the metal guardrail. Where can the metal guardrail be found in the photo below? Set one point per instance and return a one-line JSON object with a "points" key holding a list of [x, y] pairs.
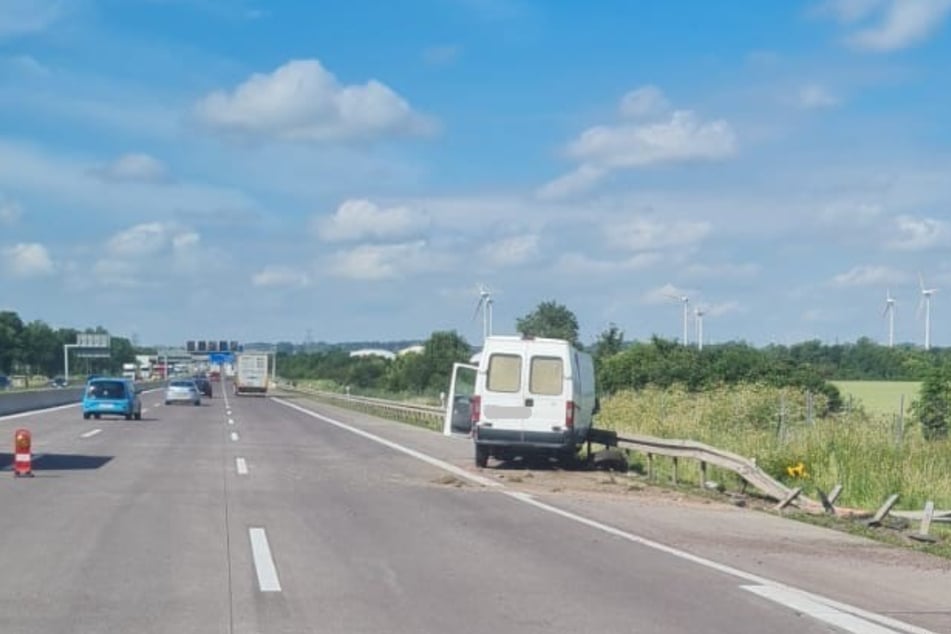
{"points": [[423, 413]]}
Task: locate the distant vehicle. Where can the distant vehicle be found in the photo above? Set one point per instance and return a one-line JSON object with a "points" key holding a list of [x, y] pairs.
{"points": [[116, 396], [57, 382], [215, 375], [204, 385], [130, 371], [5, 383], [182, 391], [252, 373], [532, 396]]}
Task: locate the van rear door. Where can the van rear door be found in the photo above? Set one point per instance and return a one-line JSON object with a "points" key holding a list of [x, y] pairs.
{"points": [[503, 404], [544, 390]]}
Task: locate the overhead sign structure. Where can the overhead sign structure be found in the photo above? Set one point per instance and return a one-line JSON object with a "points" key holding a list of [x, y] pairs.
{"points": [[220, 358], [92, 345]]}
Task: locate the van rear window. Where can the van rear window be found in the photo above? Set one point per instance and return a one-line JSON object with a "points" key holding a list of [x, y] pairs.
{"points": [[106, 389], [547, 376], [505, 373]]}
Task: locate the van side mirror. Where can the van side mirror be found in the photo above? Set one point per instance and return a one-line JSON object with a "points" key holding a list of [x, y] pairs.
{"points": [[597, 405]]}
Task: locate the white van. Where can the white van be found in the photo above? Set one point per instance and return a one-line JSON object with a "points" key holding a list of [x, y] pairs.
{"points": [[532, 395]]}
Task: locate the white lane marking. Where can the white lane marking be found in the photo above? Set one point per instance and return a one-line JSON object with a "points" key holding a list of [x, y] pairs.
{"points": [[263, 561], [805, 605], [231, 421], [241, 465], [525, 498], [436, 462], [228, 412], [234, 436], [90, 433]]}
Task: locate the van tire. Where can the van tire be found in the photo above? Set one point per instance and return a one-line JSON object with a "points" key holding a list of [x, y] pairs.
{"points": [[138, 416], [85, 415], [481, 456], [128, 416]]}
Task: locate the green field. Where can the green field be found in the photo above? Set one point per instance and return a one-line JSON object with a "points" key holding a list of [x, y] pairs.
{"points": [[879, 397]]}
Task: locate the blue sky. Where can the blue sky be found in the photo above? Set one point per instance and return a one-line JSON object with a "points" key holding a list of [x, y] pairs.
{"points": [[230, 169]]}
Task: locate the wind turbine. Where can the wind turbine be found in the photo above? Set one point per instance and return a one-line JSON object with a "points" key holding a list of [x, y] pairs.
{"points": [[684, 300], [925, 303], [698, 314], [485, 305], [890, 312]]}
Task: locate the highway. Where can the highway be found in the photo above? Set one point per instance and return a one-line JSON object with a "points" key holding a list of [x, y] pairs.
{"points": [[269, 519]]}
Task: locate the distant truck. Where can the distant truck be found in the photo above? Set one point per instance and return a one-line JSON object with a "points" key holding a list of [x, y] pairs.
{"points": [[251, 373], [130, 371]]}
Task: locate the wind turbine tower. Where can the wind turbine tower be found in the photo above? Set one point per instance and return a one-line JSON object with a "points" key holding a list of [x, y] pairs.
{"points": [[926, 294], [890, 313], [684, 300], [485, 305], [698, 314]]}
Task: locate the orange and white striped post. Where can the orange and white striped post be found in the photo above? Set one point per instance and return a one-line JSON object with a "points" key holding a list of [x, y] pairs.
{"points": [[22, 455]]}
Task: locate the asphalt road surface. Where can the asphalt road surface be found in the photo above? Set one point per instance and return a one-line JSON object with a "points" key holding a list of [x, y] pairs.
{"points": [[271, 520]]}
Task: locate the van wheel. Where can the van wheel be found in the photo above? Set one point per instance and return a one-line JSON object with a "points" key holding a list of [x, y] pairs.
{"points": [[85, 415], [138, 416], [128, 416], [481, 456], [97, 416]]}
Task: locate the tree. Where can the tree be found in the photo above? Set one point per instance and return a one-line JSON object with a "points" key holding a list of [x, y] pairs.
{"points": [[609, 343], [933, 407], [441, 350], [550, 319], [11, 329]]}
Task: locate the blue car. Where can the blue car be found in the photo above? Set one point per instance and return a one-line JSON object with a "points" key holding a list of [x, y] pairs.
{"points": [[116, 397]]}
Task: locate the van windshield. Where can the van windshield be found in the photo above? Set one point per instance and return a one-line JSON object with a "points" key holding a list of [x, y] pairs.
{"points": [[547, 376], [106, 389], [505, 373]]}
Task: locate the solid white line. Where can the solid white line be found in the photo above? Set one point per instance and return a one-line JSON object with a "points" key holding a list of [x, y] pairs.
{"points": [[241, 465], [90, 433], [436, 462], [805, 605], [234, 436], [263, 562], [525, 498]]}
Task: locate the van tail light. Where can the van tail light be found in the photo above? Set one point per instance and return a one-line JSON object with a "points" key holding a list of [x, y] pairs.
{"points": [[570, 415], [475, 409]]}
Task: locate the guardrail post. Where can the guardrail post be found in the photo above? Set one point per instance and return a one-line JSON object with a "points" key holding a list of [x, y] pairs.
{"points": [[883, 511], [789, 499], [674, 475], [703, 474], [836, 492], [922, 534], [650, 466]]}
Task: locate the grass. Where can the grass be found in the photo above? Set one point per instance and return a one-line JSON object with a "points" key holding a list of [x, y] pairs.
{"points": [[879, 397], [867, 454]]}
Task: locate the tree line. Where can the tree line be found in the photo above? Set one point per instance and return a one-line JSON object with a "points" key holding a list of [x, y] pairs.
{"points": [[35, 348]]}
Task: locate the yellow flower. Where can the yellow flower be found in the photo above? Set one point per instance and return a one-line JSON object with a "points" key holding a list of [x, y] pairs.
{"points": [[797, 471]]}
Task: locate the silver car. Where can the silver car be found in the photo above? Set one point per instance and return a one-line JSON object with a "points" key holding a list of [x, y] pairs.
{"points": [[182, 391]]}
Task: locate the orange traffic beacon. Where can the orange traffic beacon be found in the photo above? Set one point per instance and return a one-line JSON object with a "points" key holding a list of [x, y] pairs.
{"points": [[22, 456]]}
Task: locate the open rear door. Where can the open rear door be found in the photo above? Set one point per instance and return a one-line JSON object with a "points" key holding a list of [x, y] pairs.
{"points": [[461, 388]]}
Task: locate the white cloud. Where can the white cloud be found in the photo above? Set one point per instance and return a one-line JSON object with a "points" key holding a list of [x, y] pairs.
{"points": [[665, 294], [582, 265], [644, 234], [510, 251], [888, 25], [684, 137], [443, 55], [680, 138], [359, 218], [642, 102], [134, 168], [869, 275], [280, 276], [23, 17], [382, 261], [28, 260], [302, 101], [920, 234], [723, 271], [814, 96], [10, 212], [142, 240]]}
